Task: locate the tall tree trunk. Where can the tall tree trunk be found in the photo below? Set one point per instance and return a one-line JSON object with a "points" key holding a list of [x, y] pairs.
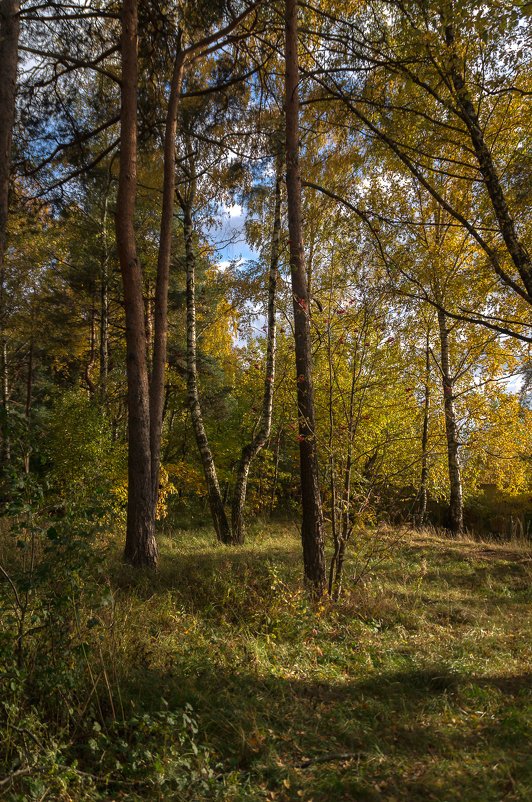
{"points": [[263, 427], [343, 533], [456, 511], [312, 520], [141, 546], [219, 517], [276, 459], [148, 324], [104, 302], [29, 393], [92, 350], [163, 274], [422, 511], [9, 36], [517, 250], [5, 452]]}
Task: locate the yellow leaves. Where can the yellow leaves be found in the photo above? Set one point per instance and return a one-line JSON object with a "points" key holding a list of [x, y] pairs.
{"points": [[166, 488], [186, 477]]}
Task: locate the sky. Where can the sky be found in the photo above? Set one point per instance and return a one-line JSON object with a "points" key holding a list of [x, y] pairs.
{"points": [[230, 238]]}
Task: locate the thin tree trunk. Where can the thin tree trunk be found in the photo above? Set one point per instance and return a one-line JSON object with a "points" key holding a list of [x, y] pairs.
{"points": [[6, 440], [92, 350], [332, 461], [276, 468], [456, 513], [148, 325], [214, 495], [141, 545], [517, 250], [9, 36], [424, 441], [29, 393], [342, 537], [163, 274], [312, 520], [104, 303], [263, 427]]}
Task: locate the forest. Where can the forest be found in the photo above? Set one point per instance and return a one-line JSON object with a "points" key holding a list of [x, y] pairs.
{"points": [[266, 400]]}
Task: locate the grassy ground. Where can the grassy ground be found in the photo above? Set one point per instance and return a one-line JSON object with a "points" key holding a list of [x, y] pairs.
{"points": [[415, 686]]}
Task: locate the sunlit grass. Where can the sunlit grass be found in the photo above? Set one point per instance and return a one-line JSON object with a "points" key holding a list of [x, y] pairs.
{"points": [[416, 685]]}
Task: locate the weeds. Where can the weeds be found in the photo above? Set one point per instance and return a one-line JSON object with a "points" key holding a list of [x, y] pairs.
{"points": [[219, 678]]}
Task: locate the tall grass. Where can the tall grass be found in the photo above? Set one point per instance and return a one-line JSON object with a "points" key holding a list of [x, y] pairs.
{"points": [[218, 677]]}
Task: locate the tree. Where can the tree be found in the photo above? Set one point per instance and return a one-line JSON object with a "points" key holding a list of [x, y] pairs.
{"points": [[312, 521], [9, 35], [262, 428]]}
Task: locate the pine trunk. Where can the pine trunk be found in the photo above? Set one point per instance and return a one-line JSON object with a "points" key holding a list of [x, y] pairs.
{"points": [[163, 275], [312, 519], [9, 36], [104, 303], [141, 546]]}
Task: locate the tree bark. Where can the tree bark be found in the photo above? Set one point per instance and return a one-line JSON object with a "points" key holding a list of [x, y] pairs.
{"points": [[263, 427], [141, 546], [422, 511], [163, 274], [456, 512], [92, 350], [104, 302], [9, 36], [518, 252], [214, 495], [312, 519]]}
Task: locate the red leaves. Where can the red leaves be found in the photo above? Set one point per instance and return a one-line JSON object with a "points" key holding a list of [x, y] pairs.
{"points": [[301, 379], [300, 438], [268, 379]]}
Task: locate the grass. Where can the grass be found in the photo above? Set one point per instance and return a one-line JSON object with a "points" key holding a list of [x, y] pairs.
{"points": [[415, 686]]}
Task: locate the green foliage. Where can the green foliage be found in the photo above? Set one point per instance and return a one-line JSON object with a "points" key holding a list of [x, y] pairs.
{"points": [[65, 729], [84, 459]]}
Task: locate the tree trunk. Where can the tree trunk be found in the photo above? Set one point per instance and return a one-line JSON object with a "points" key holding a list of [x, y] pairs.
{"points": [[163, 274], [141, 546], [345, 528], [516, 249], [29, 393], [263, 427], [6, 440], [9, 35], [312, 520], [104, 303], [214, 495], [276, 467], [456, 513], [424, 441], [92, 350]]}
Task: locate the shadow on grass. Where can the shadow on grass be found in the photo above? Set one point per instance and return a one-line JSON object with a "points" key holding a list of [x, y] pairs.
{"points": [[391, 735]]}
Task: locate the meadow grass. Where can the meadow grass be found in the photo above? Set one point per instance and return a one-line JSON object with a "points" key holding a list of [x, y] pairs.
{"points": [[416, 685]]}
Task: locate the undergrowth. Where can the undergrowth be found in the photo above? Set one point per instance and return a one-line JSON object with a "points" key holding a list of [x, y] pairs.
{"points": [[218, 677]]}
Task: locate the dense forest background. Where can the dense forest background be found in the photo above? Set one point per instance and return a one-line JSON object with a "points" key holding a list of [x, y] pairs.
{"points": [[364, 372]]}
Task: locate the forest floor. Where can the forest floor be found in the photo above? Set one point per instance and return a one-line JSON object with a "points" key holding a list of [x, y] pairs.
{"points": [[219, 678]]}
